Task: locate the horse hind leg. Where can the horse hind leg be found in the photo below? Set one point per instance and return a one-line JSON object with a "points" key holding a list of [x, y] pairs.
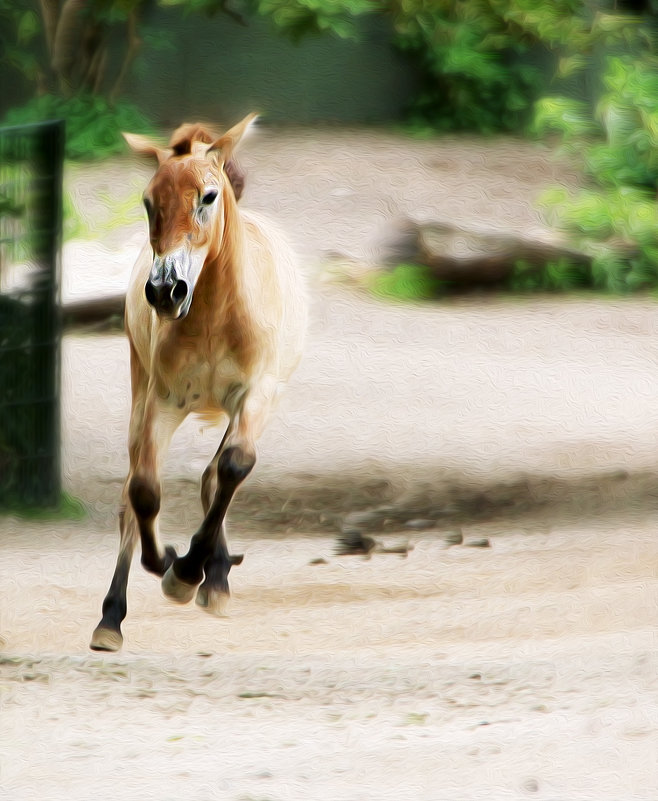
{"points": [[213, 594], [208, 551], [234, 460]]}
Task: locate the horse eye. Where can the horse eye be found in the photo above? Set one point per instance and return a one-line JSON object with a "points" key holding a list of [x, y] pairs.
{"points": [[209, 197]]}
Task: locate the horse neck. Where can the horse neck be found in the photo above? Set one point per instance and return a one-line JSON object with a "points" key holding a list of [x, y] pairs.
{"points": [[221, 285]]}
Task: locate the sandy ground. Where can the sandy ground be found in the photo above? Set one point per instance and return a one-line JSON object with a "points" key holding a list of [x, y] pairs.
{"points": [[527, 669]]}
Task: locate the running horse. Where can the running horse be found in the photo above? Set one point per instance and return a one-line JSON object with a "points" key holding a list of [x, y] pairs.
{"points": [[215, 318]]}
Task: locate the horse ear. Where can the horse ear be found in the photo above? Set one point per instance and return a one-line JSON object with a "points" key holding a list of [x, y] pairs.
{"points": [[227, 143], [143, 146]]}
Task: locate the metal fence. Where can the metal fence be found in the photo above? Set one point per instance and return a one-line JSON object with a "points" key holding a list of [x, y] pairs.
{"points": [[31, 167]]}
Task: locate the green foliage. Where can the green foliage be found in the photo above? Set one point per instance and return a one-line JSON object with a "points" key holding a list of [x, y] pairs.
{"points": [[476, 56], [72, 224], [67, 508], [564, 116], [619, 145], [406, 282], [616, 218], [563, 275], [472, 76], [93, 126], [297, 18], [19, 29]]}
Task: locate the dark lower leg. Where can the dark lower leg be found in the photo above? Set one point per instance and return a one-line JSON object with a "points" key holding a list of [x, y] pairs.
{"points": [[208, 486], [216, 571], [144, 496], [107, 635], [233, 466], [209, 479]]}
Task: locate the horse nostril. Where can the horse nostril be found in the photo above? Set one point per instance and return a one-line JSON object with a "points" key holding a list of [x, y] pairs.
{"points": [[151, 295], [179, 291]]}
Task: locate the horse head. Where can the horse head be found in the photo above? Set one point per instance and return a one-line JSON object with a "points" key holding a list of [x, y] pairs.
{"points": [[185, 203]]}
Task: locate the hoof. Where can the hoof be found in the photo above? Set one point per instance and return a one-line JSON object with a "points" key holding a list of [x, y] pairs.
{"points": [[106, 640], [175, 589], [214, 602], [159, 566], [170, 556]]}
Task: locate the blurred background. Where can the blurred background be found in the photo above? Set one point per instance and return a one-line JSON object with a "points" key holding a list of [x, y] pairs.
{"points": [[425, 157]]}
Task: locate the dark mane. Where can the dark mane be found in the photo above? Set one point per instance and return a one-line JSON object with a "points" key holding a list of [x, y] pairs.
{"points": [[181, 143], [182, 138]]}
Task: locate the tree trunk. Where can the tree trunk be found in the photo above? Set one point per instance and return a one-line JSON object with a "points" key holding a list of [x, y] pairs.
{"points": [[66, 44], [93, 71], [100, 72], [134, 43], [49, 16]]}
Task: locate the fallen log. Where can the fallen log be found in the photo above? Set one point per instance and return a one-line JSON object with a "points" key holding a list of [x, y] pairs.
{"points": [[469, 258], [95, 313], [484, 258]]}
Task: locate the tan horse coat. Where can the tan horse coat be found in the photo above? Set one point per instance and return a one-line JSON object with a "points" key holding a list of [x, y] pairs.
{"points": [[220, 336]]}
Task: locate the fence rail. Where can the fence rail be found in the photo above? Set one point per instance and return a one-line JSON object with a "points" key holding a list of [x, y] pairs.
{"points": [[31, 168]]}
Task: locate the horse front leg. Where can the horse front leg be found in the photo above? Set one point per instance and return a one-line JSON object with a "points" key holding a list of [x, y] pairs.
{"points": [[107, 635], [208, 552], [137, 522], [150, 444]]}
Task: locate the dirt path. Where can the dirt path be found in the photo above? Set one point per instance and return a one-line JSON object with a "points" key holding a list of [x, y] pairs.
{"points": [[527, 669]]}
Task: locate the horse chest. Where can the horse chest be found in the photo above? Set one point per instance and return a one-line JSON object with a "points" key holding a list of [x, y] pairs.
{"points": [[203, 385]]}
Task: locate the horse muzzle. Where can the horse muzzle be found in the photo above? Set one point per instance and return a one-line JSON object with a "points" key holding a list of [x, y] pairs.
{"points": [[166, 291], [168, 299]]}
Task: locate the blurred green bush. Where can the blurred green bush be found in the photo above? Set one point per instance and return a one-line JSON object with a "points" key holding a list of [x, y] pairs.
{"points": [[484, 62], [406, 282], [93, 124], [615, 218]]}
